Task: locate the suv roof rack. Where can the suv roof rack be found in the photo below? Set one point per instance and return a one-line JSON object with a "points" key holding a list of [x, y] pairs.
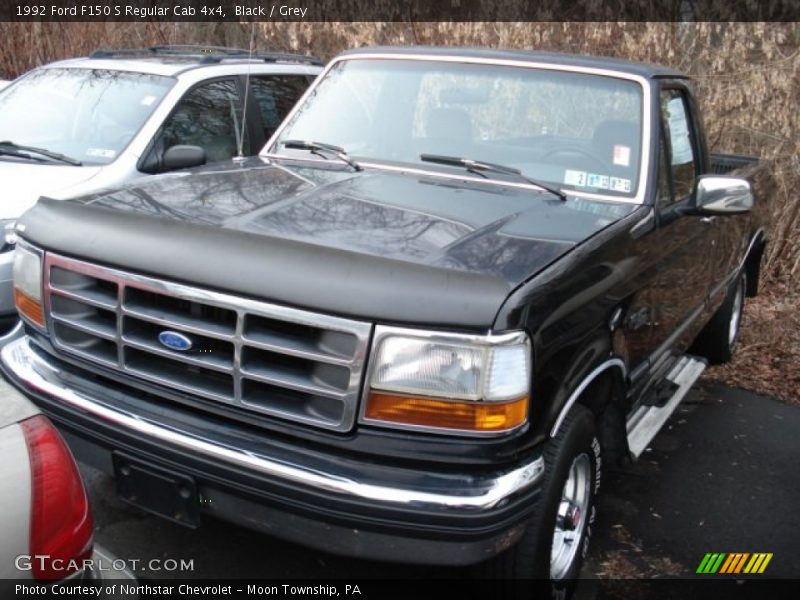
{"points": [[205, 54]]}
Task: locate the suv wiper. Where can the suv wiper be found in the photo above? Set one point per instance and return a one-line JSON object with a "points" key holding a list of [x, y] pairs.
{"points": [[481, 168], [25, 151], [15, 154], [323, 150]]}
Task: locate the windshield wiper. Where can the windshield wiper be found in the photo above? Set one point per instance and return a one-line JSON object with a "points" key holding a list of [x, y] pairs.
{"points": [[15, 154], [323, 150], [25, 151], [481, 168]]}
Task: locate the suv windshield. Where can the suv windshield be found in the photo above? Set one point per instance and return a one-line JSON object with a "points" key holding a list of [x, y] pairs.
{"points": [[575, 131], [87, 114]]}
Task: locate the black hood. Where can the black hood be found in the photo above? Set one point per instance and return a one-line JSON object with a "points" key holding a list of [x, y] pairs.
{"points": [[380, 234]]}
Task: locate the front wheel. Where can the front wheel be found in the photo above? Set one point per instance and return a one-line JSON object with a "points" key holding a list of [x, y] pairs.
{"points": [[557, 537], [572, 520]]}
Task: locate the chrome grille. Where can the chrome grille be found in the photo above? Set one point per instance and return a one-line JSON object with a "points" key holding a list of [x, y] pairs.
{"points": [[261, 357]]}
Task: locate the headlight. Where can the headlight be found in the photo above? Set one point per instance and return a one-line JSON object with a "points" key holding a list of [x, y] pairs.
{"points": [[28, 284], [472, 384]]}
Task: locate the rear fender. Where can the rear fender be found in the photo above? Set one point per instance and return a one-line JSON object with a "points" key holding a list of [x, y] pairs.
{"points": [[752, 261]]}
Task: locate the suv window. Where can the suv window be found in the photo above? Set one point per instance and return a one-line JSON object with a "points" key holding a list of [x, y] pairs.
{"points": [[275, 96], [208, 116], [88, 114], [680, 142]]}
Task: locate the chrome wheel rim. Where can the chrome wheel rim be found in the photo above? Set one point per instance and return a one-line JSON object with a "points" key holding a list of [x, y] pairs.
{"points": [[572, 516], [736, 314]]}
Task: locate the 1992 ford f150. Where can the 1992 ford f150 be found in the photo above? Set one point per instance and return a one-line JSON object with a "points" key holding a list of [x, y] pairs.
{"points": [[453, 286]]}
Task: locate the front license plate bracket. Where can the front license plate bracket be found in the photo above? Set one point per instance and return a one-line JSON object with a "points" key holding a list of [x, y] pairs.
{"points": [[157, 490]]}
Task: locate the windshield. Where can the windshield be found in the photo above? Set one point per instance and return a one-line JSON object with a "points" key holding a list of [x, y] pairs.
{"points": [[87, 114], [573, 130]]}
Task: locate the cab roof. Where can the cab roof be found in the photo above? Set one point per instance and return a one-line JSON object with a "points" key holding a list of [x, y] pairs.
{"points": [[645, 70]]}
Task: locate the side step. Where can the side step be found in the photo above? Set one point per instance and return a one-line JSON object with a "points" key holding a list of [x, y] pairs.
{"points": [[647, 421]]}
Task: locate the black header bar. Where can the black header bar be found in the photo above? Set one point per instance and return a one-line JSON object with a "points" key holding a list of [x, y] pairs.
{"points": [[399, 10]]}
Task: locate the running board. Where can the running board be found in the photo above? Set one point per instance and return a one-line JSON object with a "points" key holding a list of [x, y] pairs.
{"points": [[647, 421]]}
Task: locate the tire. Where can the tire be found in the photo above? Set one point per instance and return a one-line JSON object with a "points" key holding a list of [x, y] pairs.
{"points": [[718, 340], [542, 559]]}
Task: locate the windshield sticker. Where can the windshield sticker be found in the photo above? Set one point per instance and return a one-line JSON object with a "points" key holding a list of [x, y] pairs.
{"points": [[148, 100], [101, 152], [598, 181], [622, 155], [619, 184], [576, 178]]}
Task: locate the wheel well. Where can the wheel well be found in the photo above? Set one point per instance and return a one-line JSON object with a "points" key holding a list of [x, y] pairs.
{"points": [[598, 394], [752, 267], [605, 399]]}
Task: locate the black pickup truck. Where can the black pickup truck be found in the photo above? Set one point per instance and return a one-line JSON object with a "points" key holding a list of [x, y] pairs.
{"points": [[454, 285]]}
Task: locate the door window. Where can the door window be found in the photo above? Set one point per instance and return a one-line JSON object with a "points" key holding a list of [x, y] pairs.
{"points": [[680, 143], [663, 190], [209, 116]]}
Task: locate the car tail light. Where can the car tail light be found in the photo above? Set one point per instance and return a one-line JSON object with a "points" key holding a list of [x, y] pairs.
{"points": [[61, 519]]}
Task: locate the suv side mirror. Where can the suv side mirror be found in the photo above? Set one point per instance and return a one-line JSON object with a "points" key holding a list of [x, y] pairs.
{"points": [[720, 195], [183, 157]]}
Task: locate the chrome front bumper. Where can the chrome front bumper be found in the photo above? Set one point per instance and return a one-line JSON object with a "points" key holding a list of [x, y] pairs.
{"points": [[463, 493]]}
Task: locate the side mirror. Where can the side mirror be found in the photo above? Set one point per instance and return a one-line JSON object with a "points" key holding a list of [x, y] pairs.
{"points": [[183, 157], [720, 195]]}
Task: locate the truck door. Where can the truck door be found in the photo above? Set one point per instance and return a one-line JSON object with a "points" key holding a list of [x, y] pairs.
{"points": [[686, 243]]}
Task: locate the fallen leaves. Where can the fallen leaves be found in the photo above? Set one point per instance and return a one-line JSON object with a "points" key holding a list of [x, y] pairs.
{"points": [[768, 356], [629, 561]]}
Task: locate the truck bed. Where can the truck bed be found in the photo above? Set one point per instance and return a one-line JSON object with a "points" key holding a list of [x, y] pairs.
{"points": [[722, 164]]}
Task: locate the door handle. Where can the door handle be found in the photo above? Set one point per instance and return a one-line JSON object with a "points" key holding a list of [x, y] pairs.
{"points": [[711, 219]]}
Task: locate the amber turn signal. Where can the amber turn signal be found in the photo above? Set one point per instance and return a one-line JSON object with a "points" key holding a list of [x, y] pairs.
{"points": [[29, 308], [447, 414]]}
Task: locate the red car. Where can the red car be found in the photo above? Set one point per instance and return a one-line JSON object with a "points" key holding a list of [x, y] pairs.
{"points": [[45, 516]]}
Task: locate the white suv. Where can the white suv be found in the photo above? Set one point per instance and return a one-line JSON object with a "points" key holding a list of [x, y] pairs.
{"points": [[79, 125]]}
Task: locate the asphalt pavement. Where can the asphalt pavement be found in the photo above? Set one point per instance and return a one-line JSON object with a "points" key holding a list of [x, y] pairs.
{"points": [[723, 476]]}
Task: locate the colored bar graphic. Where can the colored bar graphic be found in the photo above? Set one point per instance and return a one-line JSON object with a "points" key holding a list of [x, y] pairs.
{"points": [[734, 563], [711, 562], [717, 563], [703, 563], [740, 563], [754, 564], [767, 558], [728, 562]]}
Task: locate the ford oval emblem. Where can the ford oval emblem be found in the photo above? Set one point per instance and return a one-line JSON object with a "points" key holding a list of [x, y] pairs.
{"points": [[175, 341]]}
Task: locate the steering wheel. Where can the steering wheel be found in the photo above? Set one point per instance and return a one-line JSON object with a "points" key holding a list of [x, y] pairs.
{"points": [[602, 167]]}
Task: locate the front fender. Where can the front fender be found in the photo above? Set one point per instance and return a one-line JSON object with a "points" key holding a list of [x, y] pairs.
{"points": [[575, 376]]}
